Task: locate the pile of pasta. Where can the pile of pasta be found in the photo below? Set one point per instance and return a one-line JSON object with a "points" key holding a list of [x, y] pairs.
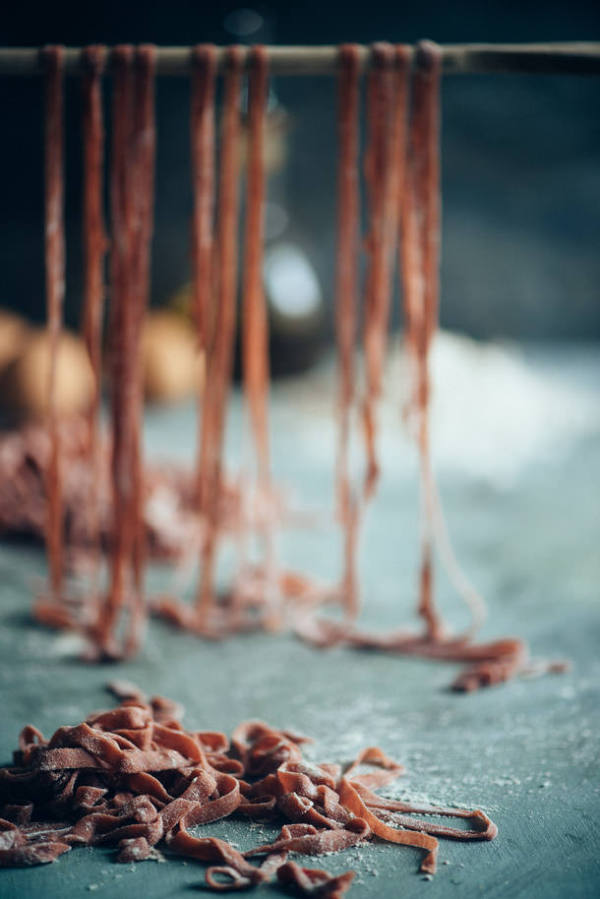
{"points": [[171, 527], [134, 778]]}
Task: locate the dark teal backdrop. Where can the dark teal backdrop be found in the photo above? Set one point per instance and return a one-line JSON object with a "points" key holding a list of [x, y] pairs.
{"points": [[521, 155]]}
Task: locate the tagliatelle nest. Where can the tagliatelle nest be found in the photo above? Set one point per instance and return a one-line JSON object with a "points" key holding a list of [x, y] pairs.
{"points": [[134, 778]]}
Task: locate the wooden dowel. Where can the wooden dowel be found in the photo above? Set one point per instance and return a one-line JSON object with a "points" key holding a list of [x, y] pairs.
{"points": [[458, 59], [531, 59]]}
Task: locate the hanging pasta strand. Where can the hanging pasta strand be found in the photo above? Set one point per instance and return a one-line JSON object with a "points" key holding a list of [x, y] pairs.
{"points": [[202, 121], [379, 180], [131, 205], [255, 325], [430, 189], [420, 267], [143, 154], [221, 356], [415, 180], [60, 609], [347, 308], [94, 246], [122, 337], [255, 336], [421, 300], [402, 73], [202, 152], [53, 60]]}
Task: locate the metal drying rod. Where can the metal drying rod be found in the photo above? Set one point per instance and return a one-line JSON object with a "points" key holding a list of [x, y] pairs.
{"points": [[579, 58]]}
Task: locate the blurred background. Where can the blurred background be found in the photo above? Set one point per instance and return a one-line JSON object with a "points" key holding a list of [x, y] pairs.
{"points": [[521, 173]]}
